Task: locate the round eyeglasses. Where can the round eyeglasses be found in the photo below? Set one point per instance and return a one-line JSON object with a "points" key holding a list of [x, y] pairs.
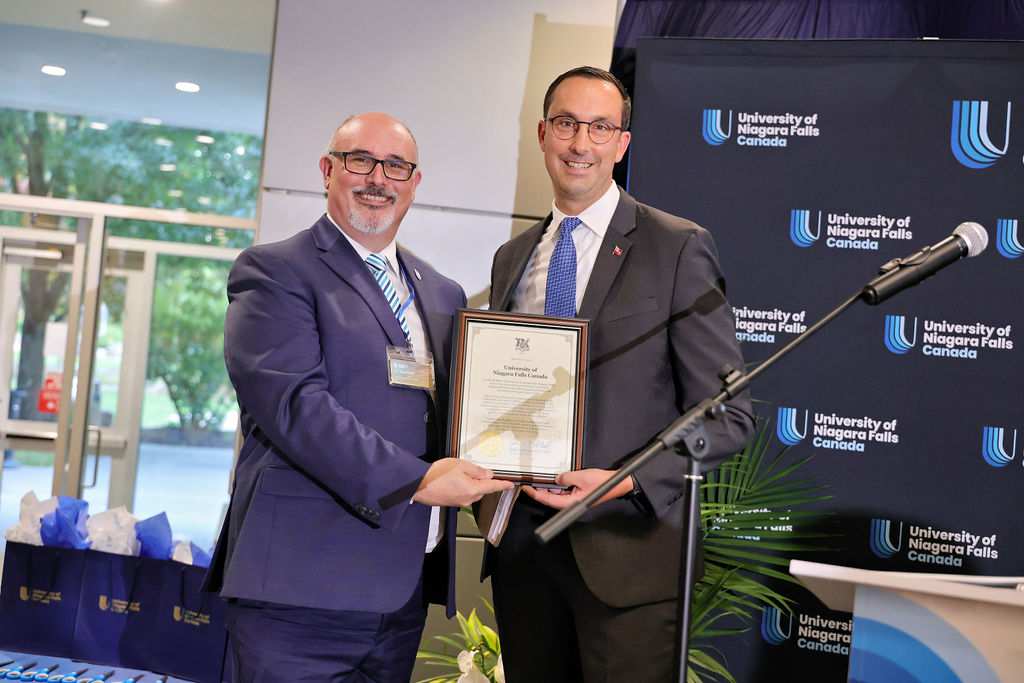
{"points": [[363, 164], [565, 128]]}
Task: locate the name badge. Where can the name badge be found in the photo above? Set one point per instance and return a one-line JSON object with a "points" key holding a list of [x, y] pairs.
{"points": [[409, 368]]}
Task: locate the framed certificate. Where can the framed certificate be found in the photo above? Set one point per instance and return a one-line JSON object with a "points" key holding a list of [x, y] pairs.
{"points": [[518, 393]]}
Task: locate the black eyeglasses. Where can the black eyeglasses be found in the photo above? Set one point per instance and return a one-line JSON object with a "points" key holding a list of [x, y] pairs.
{"points": [[363, 164], [565, 127]]}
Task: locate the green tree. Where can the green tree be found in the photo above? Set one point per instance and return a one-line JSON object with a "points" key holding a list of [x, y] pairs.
{"points": [[190, 358], [24, 150], [124, 162]]}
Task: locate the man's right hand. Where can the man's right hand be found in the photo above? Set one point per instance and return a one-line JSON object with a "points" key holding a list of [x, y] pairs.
{"points": [[452, 481]]}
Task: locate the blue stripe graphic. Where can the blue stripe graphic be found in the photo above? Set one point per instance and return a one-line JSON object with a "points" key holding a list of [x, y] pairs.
{"points": [[786, 426], [800, 227], [898, 639], [771, 626], [1006, 238], [992, 449], [896, 334], [880, 540], [969, 140], [712, 127]]}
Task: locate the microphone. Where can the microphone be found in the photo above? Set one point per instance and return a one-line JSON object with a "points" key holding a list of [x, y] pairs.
{"points": [[968, 239]]}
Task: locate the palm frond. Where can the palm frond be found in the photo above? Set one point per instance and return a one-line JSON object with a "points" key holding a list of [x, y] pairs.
{"points": [[749, 521]]}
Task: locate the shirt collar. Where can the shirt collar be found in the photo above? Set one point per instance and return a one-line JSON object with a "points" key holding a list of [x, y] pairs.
{"points": [[597, 216], [390, 252]]}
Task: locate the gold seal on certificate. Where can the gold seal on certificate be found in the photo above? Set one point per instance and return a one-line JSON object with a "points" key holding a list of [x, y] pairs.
{"points": [[518, 393]]}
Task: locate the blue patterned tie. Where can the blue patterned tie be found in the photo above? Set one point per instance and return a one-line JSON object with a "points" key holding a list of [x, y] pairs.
{"points": [[379, 268], [560, 295]]}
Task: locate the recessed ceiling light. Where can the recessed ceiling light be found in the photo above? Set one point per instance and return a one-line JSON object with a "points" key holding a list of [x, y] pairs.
{"points": [[168, 167], [240, 151], [163, 142], [149, 120], [94, 21], [205, 139], [54, 70], [185, 86], [98, 125]]}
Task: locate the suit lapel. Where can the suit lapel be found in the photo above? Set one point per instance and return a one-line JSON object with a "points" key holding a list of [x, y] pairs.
{"points": [[610, 257], [340, 257], [508, 275], [426, 300]]}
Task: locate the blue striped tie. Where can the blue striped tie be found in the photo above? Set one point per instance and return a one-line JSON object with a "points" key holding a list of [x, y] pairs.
{"points": [[379, 269], [560, 295]]}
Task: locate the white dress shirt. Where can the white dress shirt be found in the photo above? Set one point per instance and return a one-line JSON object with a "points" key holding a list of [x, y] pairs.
{"points": [[588, 235]]}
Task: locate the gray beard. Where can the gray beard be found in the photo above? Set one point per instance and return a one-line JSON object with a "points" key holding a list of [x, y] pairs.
{"points": [[375, 225], [378, 222]]}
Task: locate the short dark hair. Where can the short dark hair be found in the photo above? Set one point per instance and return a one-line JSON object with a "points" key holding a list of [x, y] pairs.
{"points": [[597, 74]]}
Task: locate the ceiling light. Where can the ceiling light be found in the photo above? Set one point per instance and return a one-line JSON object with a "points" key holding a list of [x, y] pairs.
{"points": [[168, 167], [205, 139], [185, 86], [149, 120], [54, 70], [240, 151], [99, 22], [205, 201], [175, 193], [98, 125], [163, 142]]}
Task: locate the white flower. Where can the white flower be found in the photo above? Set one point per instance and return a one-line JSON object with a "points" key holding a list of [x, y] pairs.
{"points": [[470, 674], [499, 671], [465, 660]]}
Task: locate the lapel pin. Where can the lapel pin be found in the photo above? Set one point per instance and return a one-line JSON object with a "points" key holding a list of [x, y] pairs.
{"points": [[417, 274], [617, 251]]}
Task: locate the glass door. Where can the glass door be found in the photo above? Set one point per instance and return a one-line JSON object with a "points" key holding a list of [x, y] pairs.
{"points": [[112, 382], [43, 263]]}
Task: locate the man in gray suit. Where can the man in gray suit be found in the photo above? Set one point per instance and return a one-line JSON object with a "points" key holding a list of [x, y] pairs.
{"points": [[599, 603]]}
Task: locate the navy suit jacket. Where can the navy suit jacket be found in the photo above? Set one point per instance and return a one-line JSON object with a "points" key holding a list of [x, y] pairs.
{"points": [[660, 331], [320, 511]]}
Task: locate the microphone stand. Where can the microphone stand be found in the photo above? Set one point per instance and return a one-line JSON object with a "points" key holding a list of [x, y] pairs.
{"points": [[688, 434]]}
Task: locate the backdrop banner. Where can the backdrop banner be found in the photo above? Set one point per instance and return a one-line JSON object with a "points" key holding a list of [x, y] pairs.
{"points": [[813, 163]]}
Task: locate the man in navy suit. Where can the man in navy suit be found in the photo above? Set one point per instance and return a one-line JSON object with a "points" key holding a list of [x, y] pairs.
{"points": [[338, 534], [599, 602]]}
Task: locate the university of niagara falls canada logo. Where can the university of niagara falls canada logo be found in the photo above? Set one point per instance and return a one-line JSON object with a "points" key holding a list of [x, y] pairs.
{"points": [[772, 630], [993, 446], [800, 228], [787, 426], [714, 133], [1006, 238], [522, 343], [896, 334], [969, 138], [882, 541]]}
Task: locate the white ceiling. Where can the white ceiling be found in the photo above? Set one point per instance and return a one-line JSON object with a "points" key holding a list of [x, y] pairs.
{"points": [[128, 70]]}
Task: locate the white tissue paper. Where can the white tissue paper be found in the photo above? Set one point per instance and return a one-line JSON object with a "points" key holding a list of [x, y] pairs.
{"points": [[182, 552], [32, 511], [113, 531]]}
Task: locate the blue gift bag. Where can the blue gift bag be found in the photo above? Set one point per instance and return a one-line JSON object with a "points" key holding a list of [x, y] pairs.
{"points": [[117, 609], [39, 598], [190, 633]]}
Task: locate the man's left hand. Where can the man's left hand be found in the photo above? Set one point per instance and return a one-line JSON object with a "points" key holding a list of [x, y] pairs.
{"points": [[580, 483]]}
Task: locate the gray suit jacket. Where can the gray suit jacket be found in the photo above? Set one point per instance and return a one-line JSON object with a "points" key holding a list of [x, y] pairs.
{"points": [[661, 330]]}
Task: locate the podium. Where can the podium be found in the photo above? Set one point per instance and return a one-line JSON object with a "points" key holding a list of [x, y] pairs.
{"points": [[932, 628]]}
